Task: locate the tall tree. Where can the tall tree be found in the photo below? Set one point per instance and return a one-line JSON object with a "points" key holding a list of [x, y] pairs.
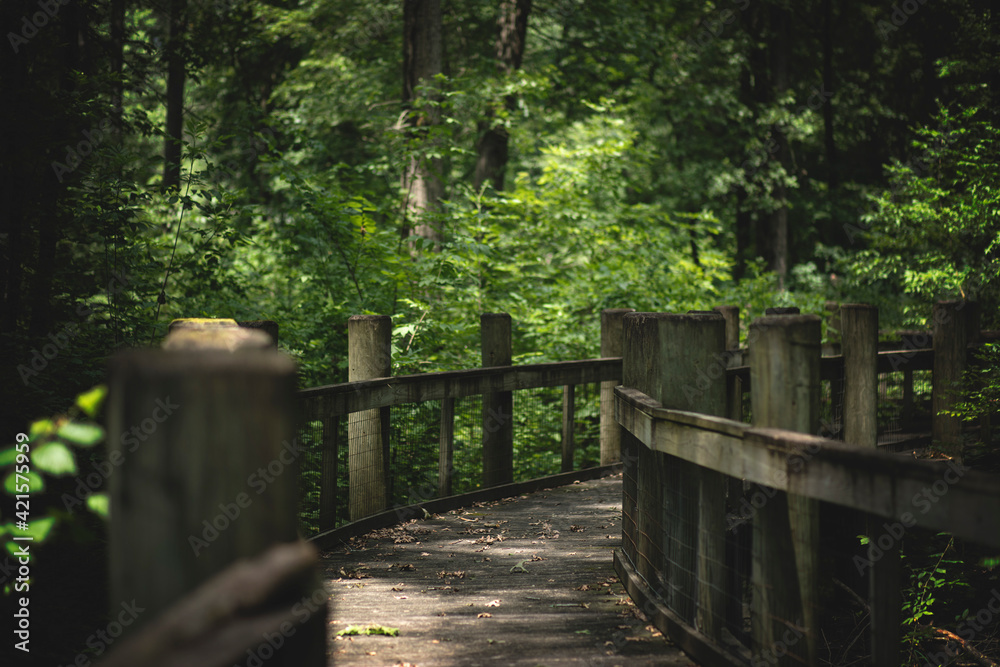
{"points": [[777, 231], [492, 148], [421, 63], [175, 96]]}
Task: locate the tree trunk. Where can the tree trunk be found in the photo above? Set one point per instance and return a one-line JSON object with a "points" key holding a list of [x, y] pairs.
{"points": [[421, 63], [493, 145], [832, 178], [752, 237], [778, 224], [117, 65], [744, 235], [175, 98]]}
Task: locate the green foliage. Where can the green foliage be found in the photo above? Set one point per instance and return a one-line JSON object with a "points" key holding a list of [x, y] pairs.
{"points": [[936, 574], [935, 233], [48, 448]]}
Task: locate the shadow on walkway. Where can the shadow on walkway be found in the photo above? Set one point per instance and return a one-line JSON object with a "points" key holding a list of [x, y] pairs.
{"points": [[522, 581]]}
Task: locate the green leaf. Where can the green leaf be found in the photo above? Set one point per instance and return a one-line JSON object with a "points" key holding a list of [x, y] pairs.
{"points": [[85, 435], [90, 401], [38, 529], [54, 458], [14, 547], [990, 561], [98, 504], [40, 428], [35, 483], [8, 456]]}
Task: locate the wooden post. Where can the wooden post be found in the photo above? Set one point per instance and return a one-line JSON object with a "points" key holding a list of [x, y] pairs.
{"points": [[973, 327], [734, 390], [737, 534], [568, 416], [200, 324], [883, 599], [950, 349], [785, 385], [203, 441], [781, 310], [859, 324], [498, 407], [369, 354], [446, 447], [239, 613], [611, 346], [680, 514], [860, 350]]}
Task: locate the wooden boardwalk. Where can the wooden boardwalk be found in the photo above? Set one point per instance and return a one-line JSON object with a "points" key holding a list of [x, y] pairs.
{"points": [[523, 581]]}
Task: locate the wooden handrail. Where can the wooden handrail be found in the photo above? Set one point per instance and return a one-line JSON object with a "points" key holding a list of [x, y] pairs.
{"points": [[930, 494], [339, 399], [831, 366]]}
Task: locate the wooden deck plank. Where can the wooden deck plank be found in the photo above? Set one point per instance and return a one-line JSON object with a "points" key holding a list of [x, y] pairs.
{"points": [[566, 608]]}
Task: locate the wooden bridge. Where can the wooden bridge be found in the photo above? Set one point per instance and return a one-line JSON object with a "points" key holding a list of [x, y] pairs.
{"points": [[730, 538]]}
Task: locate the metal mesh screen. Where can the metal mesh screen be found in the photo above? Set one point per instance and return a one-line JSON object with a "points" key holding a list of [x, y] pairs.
{"points": [[687, 534], [587, 426], [414, 442], [537, 431], [404, 443], [310, 436], [468, 452]]}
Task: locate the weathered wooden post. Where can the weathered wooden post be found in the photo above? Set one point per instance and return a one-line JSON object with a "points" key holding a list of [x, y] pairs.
{"points": [[201, 435], [679, 361], [330, 444], [784, 371], [859, 325], [568, 417], [611, 346], [951, 338], [369, 355], [498, 407], [734, 389]]}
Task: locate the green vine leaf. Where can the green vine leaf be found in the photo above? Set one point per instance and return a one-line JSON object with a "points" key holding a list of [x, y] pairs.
{"points": [[54, 458], [84, 435]]}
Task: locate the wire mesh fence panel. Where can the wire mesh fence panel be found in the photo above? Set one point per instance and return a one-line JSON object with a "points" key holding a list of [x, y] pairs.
{"points": [[310, 437], [831, 407], [698, 566], [368, 459], [537, 432], [467, 457], [414, 444], [889, 407], [587, 426], [746, 410]]}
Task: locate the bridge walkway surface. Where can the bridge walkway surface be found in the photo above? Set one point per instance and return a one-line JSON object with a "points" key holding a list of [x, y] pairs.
{"points": [[524, 581]]}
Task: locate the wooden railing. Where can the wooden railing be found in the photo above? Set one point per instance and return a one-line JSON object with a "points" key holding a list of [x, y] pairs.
{"points": [[721, 519], [368, 477]]}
